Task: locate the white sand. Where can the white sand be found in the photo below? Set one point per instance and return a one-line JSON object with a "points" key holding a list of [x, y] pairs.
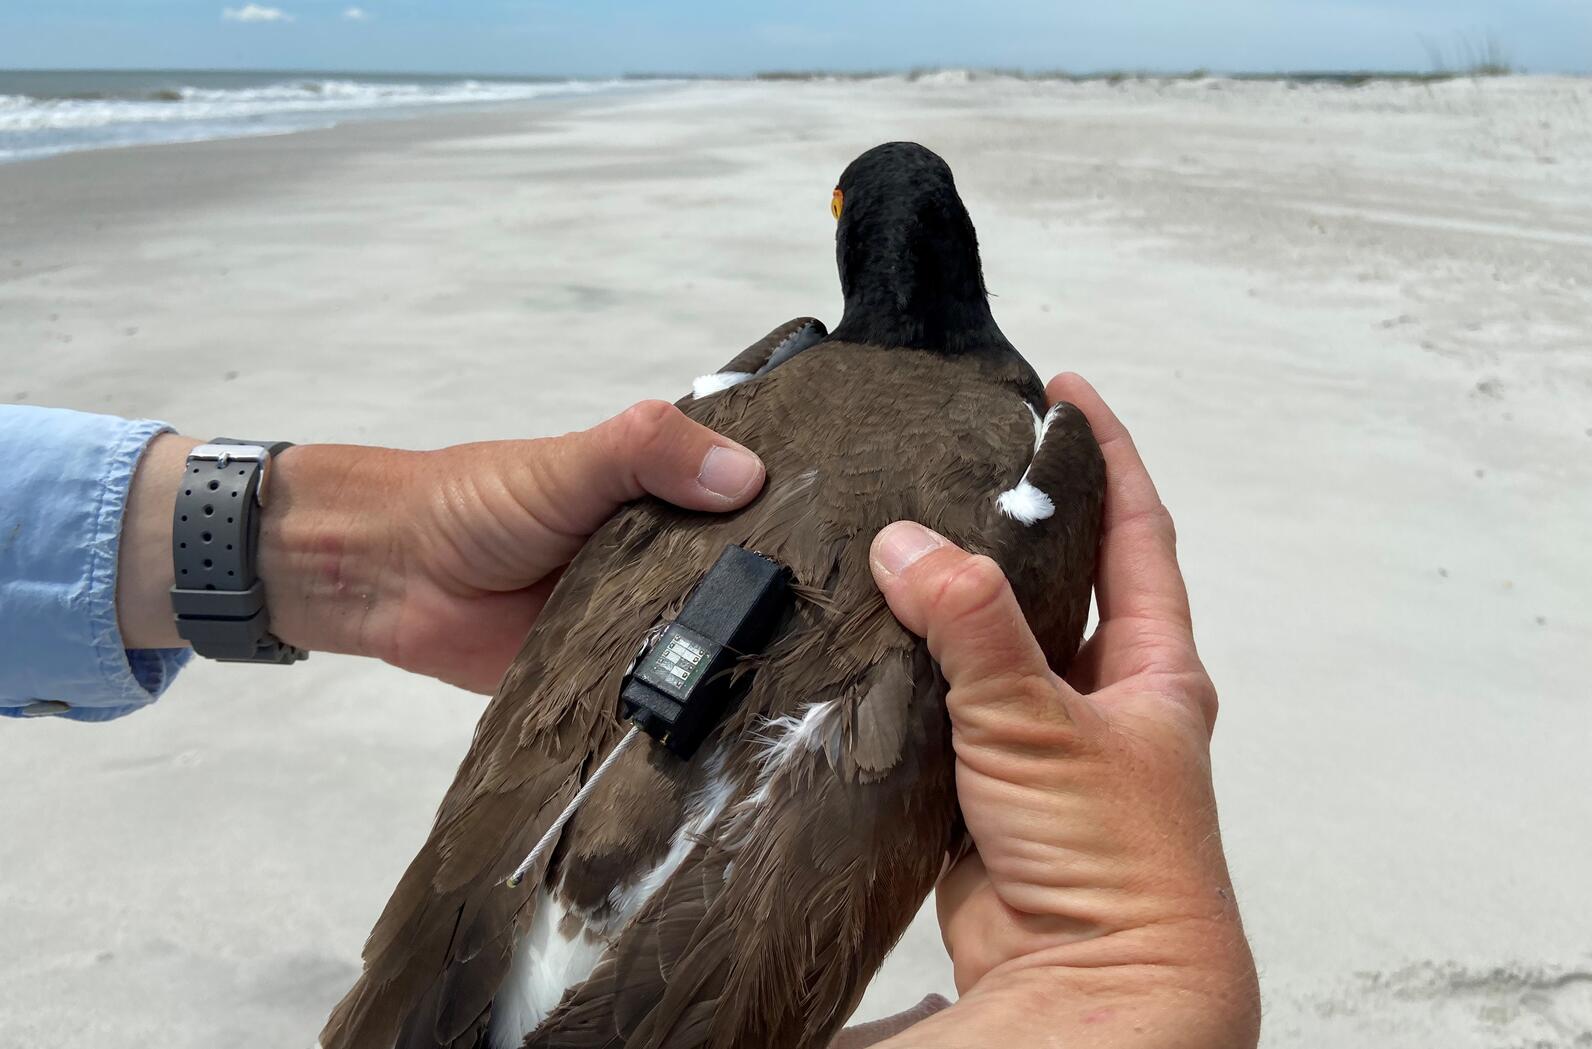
{"points": [[1350, 329]]}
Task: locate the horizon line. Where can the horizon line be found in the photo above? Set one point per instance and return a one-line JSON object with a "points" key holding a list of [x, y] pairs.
{"points": [[1102, 73]]}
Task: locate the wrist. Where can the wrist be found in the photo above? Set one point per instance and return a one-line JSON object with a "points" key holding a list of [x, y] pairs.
{"points": [[1205, 997], [1149, 1007], [144, 571], [331, 570]]}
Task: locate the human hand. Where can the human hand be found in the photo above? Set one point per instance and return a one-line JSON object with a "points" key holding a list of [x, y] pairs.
{"points": [[437, 562], [1097, 910]]}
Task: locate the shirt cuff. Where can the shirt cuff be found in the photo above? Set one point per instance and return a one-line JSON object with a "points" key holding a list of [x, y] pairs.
{"points": [[62, 651]]}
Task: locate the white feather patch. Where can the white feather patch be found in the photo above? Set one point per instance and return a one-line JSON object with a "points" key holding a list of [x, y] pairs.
{"points": [[785, 738], [1025, 503], [703, 809], [706, 385], [547, 962], [1041, 424]]}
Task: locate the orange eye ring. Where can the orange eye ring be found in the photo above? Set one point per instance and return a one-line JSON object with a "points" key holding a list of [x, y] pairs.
{"points": [[837, 203]]}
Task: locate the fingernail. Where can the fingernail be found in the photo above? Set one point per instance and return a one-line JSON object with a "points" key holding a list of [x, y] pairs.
{"points": [[902, 543], [729, 471]]}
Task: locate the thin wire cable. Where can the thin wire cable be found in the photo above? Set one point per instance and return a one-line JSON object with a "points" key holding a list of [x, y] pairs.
{"points": [[551, 835]]}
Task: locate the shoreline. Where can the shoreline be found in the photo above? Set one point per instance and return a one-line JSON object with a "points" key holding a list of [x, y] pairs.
{"points": [[625, 83], [210, 169], [50, 113]]}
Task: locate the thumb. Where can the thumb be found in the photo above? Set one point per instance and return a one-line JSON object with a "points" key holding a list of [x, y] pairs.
{"points": [[1002, 692], [651, 448]]}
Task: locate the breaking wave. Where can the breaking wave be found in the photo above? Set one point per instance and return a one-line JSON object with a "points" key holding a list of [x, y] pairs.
{"points": [[62, 120]]}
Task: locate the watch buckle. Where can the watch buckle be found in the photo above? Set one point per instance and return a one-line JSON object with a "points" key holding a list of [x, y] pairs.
{"points": [[222, 454], [225, 453]]}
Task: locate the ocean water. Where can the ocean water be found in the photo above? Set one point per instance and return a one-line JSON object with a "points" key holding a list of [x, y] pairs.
{"points": [[47, 112]]}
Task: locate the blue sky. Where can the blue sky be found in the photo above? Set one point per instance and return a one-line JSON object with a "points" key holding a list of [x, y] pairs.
{"points": [[599, 37]]}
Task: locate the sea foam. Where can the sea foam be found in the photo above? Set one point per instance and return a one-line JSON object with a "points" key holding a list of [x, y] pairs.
{"points": [[36, 126]]}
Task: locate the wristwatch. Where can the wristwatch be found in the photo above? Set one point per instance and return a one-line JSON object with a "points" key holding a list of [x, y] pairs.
{"points": [[218, 598]]}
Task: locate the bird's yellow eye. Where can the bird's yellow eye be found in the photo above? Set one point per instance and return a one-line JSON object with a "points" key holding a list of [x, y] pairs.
{"points": [[837, 203]]}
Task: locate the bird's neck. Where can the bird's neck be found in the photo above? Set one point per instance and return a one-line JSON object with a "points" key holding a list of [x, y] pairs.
{"points": [[943, 323]]}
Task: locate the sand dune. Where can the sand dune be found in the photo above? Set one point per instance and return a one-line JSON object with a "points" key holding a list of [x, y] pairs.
{"points": [[1349, 327]]}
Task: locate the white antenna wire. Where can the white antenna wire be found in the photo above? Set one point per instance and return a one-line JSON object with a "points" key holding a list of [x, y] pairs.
{"points": [[551, 835]]}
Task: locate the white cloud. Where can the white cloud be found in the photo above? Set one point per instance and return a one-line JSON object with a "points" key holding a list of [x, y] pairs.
{"points": [[255, 13], [356, 14]]}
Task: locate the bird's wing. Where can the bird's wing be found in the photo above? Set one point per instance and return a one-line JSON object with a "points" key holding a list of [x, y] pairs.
{"points": [[438, 953], [769, 930], [1044, 531], [763, 356]]}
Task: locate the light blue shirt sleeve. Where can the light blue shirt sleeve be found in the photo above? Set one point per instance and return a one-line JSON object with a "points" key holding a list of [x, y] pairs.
{"points": [[64, 478]]}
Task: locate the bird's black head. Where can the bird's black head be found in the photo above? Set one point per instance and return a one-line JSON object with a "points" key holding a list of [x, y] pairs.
{"points": [[908, 255]]}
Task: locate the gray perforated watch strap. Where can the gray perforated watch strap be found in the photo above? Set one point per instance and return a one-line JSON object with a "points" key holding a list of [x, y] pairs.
{"points": [[218, 598]]}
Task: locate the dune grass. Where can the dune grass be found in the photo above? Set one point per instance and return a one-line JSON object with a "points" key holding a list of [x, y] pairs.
{"points": [[1345, 77], [1467, 56]]}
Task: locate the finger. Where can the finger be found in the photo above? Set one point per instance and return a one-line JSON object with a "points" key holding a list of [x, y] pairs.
{"points": [[964, 607], [1138, 575], [650, 448]]}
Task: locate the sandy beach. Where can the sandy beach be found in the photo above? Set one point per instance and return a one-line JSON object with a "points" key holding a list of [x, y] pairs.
{"points": [[1351, 329]]}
